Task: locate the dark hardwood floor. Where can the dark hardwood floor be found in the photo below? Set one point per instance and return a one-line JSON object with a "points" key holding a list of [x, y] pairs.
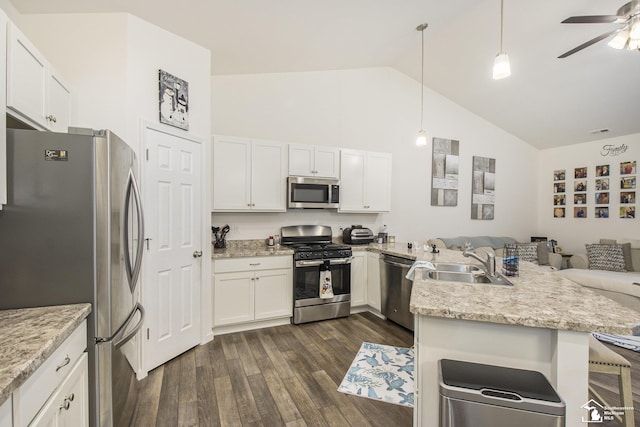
{"points": [[282, 376], [289, 375]]}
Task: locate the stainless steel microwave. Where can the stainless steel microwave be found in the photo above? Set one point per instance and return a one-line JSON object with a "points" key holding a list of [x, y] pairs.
{"points": [[313, 193]]}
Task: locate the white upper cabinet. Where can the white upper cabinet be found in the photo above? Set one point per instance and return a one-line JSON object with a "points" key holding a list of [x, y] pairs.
{"points": [[314, 161], [249, 175], [36, 93], [365, 181]]}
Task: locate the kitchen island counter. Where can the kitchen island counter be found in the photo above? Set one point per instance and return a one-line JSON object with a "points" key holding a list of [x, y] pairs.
{"points": [[28, 336], [541, 323], [539, 298]]}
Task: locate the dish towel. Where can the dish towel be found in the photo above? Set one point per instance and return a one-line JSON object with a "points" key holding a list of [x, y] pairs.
{"points": [[418, 264], [326, 289]]}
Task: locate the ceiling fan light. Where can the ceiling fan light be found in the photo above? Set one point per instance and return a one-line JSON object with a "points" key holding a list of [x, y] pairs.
{"points": [[501, 66], [421, 140], [633, 44], [620, 40], [634, 34]]}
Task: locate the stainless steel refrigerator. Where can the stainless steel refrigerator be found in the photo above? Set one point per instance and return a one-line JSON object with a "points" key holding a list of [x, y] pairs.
{"points": [[73, 232]]}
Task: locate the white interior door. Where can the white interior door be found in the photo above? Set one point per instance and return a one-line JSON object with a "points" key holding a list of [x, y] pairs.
{"points": [[173, 273]]}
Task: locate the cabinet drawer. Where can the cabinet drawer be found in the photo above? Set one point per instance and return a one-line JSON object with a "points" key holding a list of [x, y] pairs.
{"points": [[252, 264], [33, 394]]}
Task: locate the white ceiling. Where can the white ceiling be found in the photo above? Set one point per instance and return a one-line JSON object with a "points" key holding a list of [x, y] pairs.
{"points": [[547, 101]]}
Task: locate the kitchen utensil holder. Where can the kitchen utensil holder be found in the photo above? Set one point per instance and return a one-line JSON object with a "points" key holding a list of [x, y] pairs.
{"points": [[510, 260]]}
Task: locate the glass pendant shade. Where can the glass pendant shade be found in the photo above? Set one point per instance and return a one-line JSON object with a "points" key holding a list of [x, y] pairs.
{"points": [[620, 40], [501, 66], [634, 33], [421, 140]]}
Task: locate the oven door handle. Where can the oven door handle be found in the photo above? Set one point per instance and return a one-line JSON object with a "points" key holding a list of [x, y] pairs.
{"points": [[318, 262]]}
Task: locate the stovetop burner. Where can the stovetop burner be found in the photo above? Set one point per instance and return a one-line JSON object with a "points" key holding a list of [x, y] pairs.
{"points": [[313, 242], [320, 251]]}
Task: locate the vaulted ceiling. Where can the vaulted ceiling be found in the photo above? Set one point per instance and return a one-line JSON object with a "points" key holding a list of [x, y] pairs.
{"points": [[547, 102]]}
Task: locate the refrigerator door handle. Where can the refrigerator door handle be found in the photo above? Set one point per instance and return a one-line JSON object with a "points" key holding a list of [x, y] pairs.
{"points": [[137, 308], [133, 271], [129, 335]]}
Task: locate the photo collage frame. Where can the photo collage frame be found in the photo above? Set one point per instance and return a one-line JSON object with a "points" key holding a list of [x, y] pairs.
{"points": [[595, 193]]}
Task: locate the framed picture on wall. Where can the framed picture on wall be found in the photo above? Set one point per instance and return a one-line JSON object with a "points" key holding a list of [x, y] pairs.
{"points": [[602, 170], [627, 211], [627, 168], [602, 212], [173, 100], [628, 183], [580, 173], [558, 212]]}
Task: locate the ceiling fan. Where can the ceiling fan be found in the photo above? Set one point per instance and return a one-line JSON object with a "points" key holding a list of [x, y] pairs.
{"points": [[627, 37]]}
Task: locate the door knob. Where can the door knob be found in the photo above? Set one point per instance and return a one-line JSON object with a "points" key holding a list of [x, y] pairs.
{"points": [[197, 254]]}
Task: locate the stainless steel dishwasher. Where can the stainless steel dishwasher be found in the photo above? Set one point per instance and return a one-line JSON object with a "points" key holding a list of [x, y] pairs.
{"points": [[395, 290]]}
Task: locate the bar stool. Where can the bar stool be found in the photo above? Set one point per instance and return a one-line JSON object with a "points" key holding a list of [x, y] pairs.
{"points": [[607, 361]]}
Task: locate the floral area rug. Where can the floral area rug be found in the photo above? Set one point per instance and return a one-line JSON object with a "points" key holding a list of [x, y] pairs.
{"points": [[381, 372]]}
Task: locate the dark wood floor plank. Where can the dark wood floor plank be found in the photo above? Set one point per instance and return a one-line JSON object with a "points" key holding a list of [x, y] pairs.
{"points": [[246, 357], [333, 417], [217, 358], [279, 363], [253, 340], [288, 410], [242, 392], [264, 401], [208, 413], [188, 391], [229, 346], [304, 402], [169, 395], [341, 401], [228, 414], [149, 390], [299, 363]]}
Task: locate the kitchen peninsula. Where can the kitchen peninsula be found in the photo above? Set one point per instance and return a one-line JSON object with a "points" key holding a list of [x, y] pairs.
{"points": [[541, 323]]}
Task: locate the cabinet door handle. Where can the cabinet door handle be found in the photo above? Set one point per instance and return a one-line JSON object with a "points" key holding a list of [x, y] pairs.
{"points": [[65, 404], [255, 264], [67, 360], [197, 254], [51, 118]]}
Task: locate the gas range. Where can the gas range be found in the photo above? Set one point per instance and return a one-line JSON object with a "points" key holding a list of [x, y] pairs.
{"points": [[314, 256]]}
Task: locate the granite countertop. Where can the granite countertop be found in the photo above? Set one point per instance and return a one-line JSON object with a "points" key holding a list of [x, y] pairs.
{"points": [[249, 248], [28, 336], [539, 298]]}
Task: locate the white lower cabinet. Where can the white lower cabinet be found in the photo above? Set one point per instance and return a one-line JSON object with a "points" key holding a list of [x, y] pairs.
{"points": [[252, 289], [57, 393], [69, 405], [373, 280], [6, 419], [359, 279]]}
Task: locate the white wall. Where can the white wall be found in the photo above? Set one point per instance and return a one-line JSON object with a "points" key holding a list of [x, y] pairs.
{"points": [[89, 51], [572, 233], [378, 109], [111, 62]]}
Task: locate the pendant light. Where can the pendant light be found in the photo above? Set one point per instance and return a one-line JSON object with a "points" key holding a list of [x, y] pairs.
{"points": [[501, 65], [421, 140]]}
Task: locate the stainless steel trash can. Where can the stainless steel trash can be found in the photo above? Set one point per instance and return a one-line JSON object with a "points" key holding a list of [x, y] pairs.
{"points": [[478, 395]]}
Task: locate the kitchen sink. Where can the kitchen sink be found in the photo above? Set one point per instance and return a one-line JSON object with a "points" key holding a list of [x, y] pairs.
{"points": [[477, 276], [460, 268]]}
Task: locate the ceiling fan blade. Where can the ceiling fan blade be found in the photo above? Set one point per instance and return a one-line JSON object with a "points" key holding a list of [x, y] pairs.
{"points": [[594, 19], [589, 43]]}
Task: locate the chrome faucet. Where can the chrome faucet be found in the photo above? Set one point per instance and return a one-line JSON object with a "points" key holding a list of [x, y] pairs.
{"points": [[489, 263]]}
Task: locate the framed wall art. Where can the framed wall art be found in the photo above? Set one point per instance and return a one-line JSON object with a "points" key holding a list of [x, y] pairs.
{"points": [[483, 188], [444, 172], [173, 100]]}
